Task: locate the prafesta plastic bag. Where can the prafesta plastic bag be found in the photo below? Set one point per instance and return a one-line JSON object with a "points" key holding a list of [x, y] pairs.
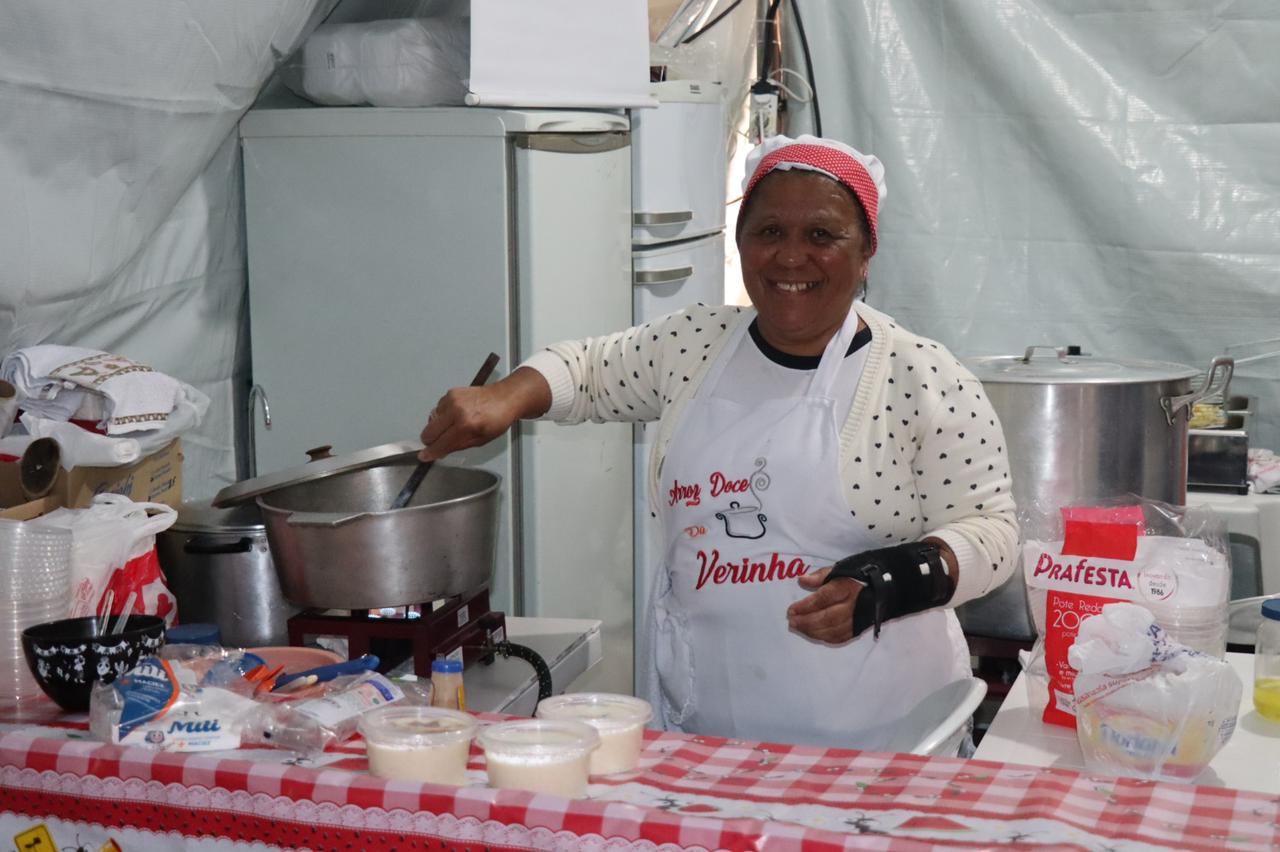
{"points": [[1171, 560], [1146, 706]]}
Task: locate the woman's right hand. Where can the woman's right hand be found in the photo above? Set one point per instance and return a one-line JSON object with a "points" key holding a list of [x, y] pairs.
{"points": [[471, 416]]}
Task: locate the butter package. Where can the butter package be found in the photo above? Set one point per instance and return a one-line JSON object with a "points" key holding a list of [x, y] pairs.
{"points": [[1146, 706], [161, 704]]}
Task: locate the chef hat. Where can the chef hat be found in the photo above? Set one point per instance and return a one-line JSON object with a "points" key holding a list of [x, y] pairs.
{"points": [[861, 173]]}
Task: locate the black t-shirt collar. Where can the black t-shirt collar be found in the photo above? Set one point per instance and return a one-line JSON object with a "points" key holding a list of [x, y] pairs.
{"points": [[802, 362]]}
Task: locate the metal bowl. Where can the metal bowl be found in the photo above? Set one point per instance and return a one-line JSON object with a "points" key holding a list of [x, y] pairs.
{"points": [[337, 545]]}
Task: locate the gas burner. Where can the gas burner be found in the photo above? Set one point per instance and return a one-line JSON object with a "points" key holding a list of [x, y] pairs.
{"points": [[425, 631]]}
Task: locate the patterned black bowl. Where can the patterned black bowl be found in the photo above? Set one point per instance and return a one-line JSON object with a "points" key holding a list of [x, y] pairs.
{"points": [[69, 656]]}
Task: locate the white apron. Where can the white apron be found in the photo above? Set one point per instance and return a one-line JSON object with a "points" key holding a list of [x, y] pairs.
{"points": [[752, 498]]}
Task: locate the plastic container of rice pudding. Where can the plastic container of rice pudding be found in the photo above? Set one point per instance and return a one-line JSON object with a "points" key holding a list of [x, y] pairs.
{"points": [[619, 719], [427, 744], [539, 755]]}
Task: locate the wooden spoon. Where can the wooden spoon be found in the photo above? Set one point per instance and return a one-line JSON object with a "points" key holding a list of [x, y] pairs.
{"points": [[415, 478]]}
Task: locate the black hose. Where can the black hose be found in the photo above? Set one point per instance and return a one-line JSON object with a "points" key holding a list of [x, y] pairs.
{"points": [[808, 66], [533, 658]]}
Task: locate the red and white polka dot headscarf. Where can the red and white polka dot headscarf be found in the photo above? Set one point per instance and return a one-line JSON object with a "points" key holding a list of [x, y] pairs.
{"points": [[861, 173]]}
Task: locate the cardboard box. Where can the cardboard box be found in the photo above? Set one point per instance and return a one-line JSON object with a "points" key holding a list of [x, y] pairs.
{"points": [[27, 511], [156, 478]]}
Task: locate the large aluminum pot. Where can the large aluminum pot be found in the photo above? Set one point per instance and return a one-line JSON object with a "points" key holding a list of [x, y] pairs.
{"points": [[218, 565], [337, 545], [1080, 429]]}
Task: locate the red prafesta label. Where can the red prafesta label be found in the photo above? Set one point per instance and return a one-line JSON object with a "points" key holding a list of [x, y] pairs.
{"points": [[1064, 612]]}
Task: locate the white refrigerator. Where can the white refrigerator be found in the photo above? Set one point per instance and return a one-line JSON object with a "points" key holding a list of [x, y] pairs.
{"points": [[679, 165], [389, 251]]}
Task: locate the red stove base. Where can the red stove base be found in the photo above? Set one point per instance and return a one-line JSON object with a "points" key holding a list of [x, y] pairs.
{"points": [[464, 622]]}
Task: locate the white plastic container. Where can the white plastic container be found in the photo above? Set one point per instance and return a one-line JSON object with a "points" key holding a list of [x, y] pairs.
{"points": [[618, 719], [427, 744], [539, 755]]}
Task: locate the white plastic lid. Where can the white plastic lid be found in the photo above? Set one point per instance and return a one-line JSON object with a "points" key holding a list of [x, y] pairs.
{"points": [[604, 711], [539, 737], [416, 727]]}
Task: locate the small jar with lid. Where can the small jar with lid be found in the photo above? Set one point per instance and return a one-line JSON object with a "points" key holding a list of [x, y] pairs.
{"points": [[1266, 662], [446, 684]]}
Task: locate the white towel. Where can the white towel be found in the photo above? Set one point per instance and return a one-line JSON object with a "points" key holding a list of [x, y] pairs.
{"points": [[82, 448], [15, 445], [1264, 471], [60, 381]]}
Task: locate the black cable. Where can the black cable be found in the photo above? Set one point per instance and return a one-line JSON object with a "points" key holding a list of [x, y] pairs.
{"points": [[711, 23], [770, 22], [533, 658], [808, 62]]}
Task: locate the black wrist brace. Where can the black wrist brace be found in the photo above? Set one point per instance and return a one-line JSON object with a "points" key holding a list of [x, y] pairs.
{"points": [[900, 580]]}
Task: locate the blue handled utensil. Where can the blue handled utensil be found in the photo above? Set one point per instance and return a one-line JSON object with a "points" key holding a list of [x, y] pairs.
{"points": [[320, 674]]}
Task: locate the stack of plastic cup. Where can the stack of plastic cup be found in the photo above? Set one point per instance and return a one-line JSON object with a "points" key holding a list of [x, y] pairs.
{"points": [[35, 587], [1193, 582], [1202, 628]]}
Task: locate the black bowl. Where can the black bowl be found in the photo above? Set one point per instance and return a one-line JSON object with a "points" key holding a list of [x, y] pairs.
{"points": [[69, 656]]}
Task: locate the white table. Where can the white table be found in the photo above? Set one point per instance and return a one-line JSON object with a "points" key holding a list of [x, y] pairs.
{"points": [[1249, 761]]}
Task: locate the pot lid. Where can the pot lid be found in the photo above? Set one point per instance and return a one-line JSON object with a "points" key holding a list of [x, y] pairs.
{"points": [[201, 516], [1062, 365], [249, 489]]}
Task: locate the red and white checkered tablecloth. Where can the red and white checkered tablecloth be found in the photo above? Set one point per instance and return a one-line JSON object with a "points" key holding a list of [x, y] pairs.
{"points": [[688, 793]]}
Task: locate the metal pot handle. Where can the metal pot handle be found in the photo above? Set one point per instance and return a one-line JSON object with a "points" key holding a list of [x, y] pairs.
{"points": [[1174, 405], [323, 519], [212, 545], [1060, 351]]}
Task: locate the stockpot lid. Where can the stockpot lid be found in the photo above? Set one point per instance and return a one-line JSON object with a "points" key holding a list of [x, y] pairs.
{"points": [[246, 490], [1050, 365], [202, 517]]}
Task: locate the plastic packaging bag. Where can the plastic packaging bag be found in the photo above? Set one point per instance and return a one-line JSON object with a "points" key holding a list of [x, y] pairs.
{"points": [[1171, 560], [410, 62], [169, 704], [313, 725], [1148, 707], [114, 547]]}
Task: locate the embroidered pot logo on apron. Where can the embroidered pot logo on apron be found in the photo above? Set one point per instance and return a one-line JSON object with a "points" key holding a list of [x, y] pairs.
{"points": [[753, 500]]}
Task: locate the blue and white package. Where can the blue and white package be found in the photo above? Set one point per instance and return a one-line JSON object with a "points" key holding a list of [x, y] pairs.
{"points": [[160, 704]]}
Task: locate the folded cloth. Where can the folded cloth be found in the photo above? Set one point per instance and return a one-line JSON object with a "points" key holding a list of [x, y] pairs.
{"points": [[1264, 471], [187, 414], [80, 447], [60, 381]]}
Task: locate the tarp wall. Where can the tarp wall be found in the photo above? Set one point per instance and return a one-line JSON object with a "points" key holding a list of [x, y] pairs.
{"points": [[1093, 172], [120, 211]]}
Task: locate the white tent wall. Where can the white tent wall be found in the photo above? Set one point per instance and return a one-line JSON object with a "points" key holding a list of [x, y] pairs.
{"points": [[121, 225], [1093, 172]]}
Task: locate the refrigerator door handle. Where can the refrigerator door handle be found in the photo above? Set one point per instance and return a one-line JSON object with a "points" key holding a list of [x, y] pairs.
{"points": [[673, 218], [573, 143], [643, 277]]}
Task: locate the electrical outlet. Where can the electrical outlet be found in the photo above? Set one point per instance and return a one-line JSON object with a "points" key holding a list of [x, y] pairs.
{"points": [[764, 115]]}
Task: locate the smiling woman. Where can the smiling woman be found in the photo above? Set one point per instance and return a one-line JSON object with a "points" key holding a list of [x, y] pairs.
{"points": [[804, 258], [828, 484]]}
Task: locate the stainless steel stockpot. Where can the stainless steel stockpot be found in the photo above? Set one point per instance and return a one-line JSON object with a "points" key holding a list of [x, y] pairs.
{"points": [[1080, 429], [337, 544], [218, 565]]}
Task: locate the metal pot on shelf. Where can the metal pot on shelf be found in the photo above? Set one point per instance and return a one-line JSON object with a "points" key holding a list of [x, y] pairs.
{"points": [[337, 544], [218, 565], [1082, 429]]}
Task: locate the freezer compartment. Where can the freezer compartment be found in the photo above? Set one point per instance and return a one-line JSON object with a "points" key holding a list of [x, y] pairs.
{"points": [[672, 276], [679, 163]]}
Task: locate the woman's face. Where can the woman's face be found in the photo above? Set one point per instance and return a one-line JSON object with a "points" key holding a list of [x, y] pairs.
{"points": [[803, 256]]}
